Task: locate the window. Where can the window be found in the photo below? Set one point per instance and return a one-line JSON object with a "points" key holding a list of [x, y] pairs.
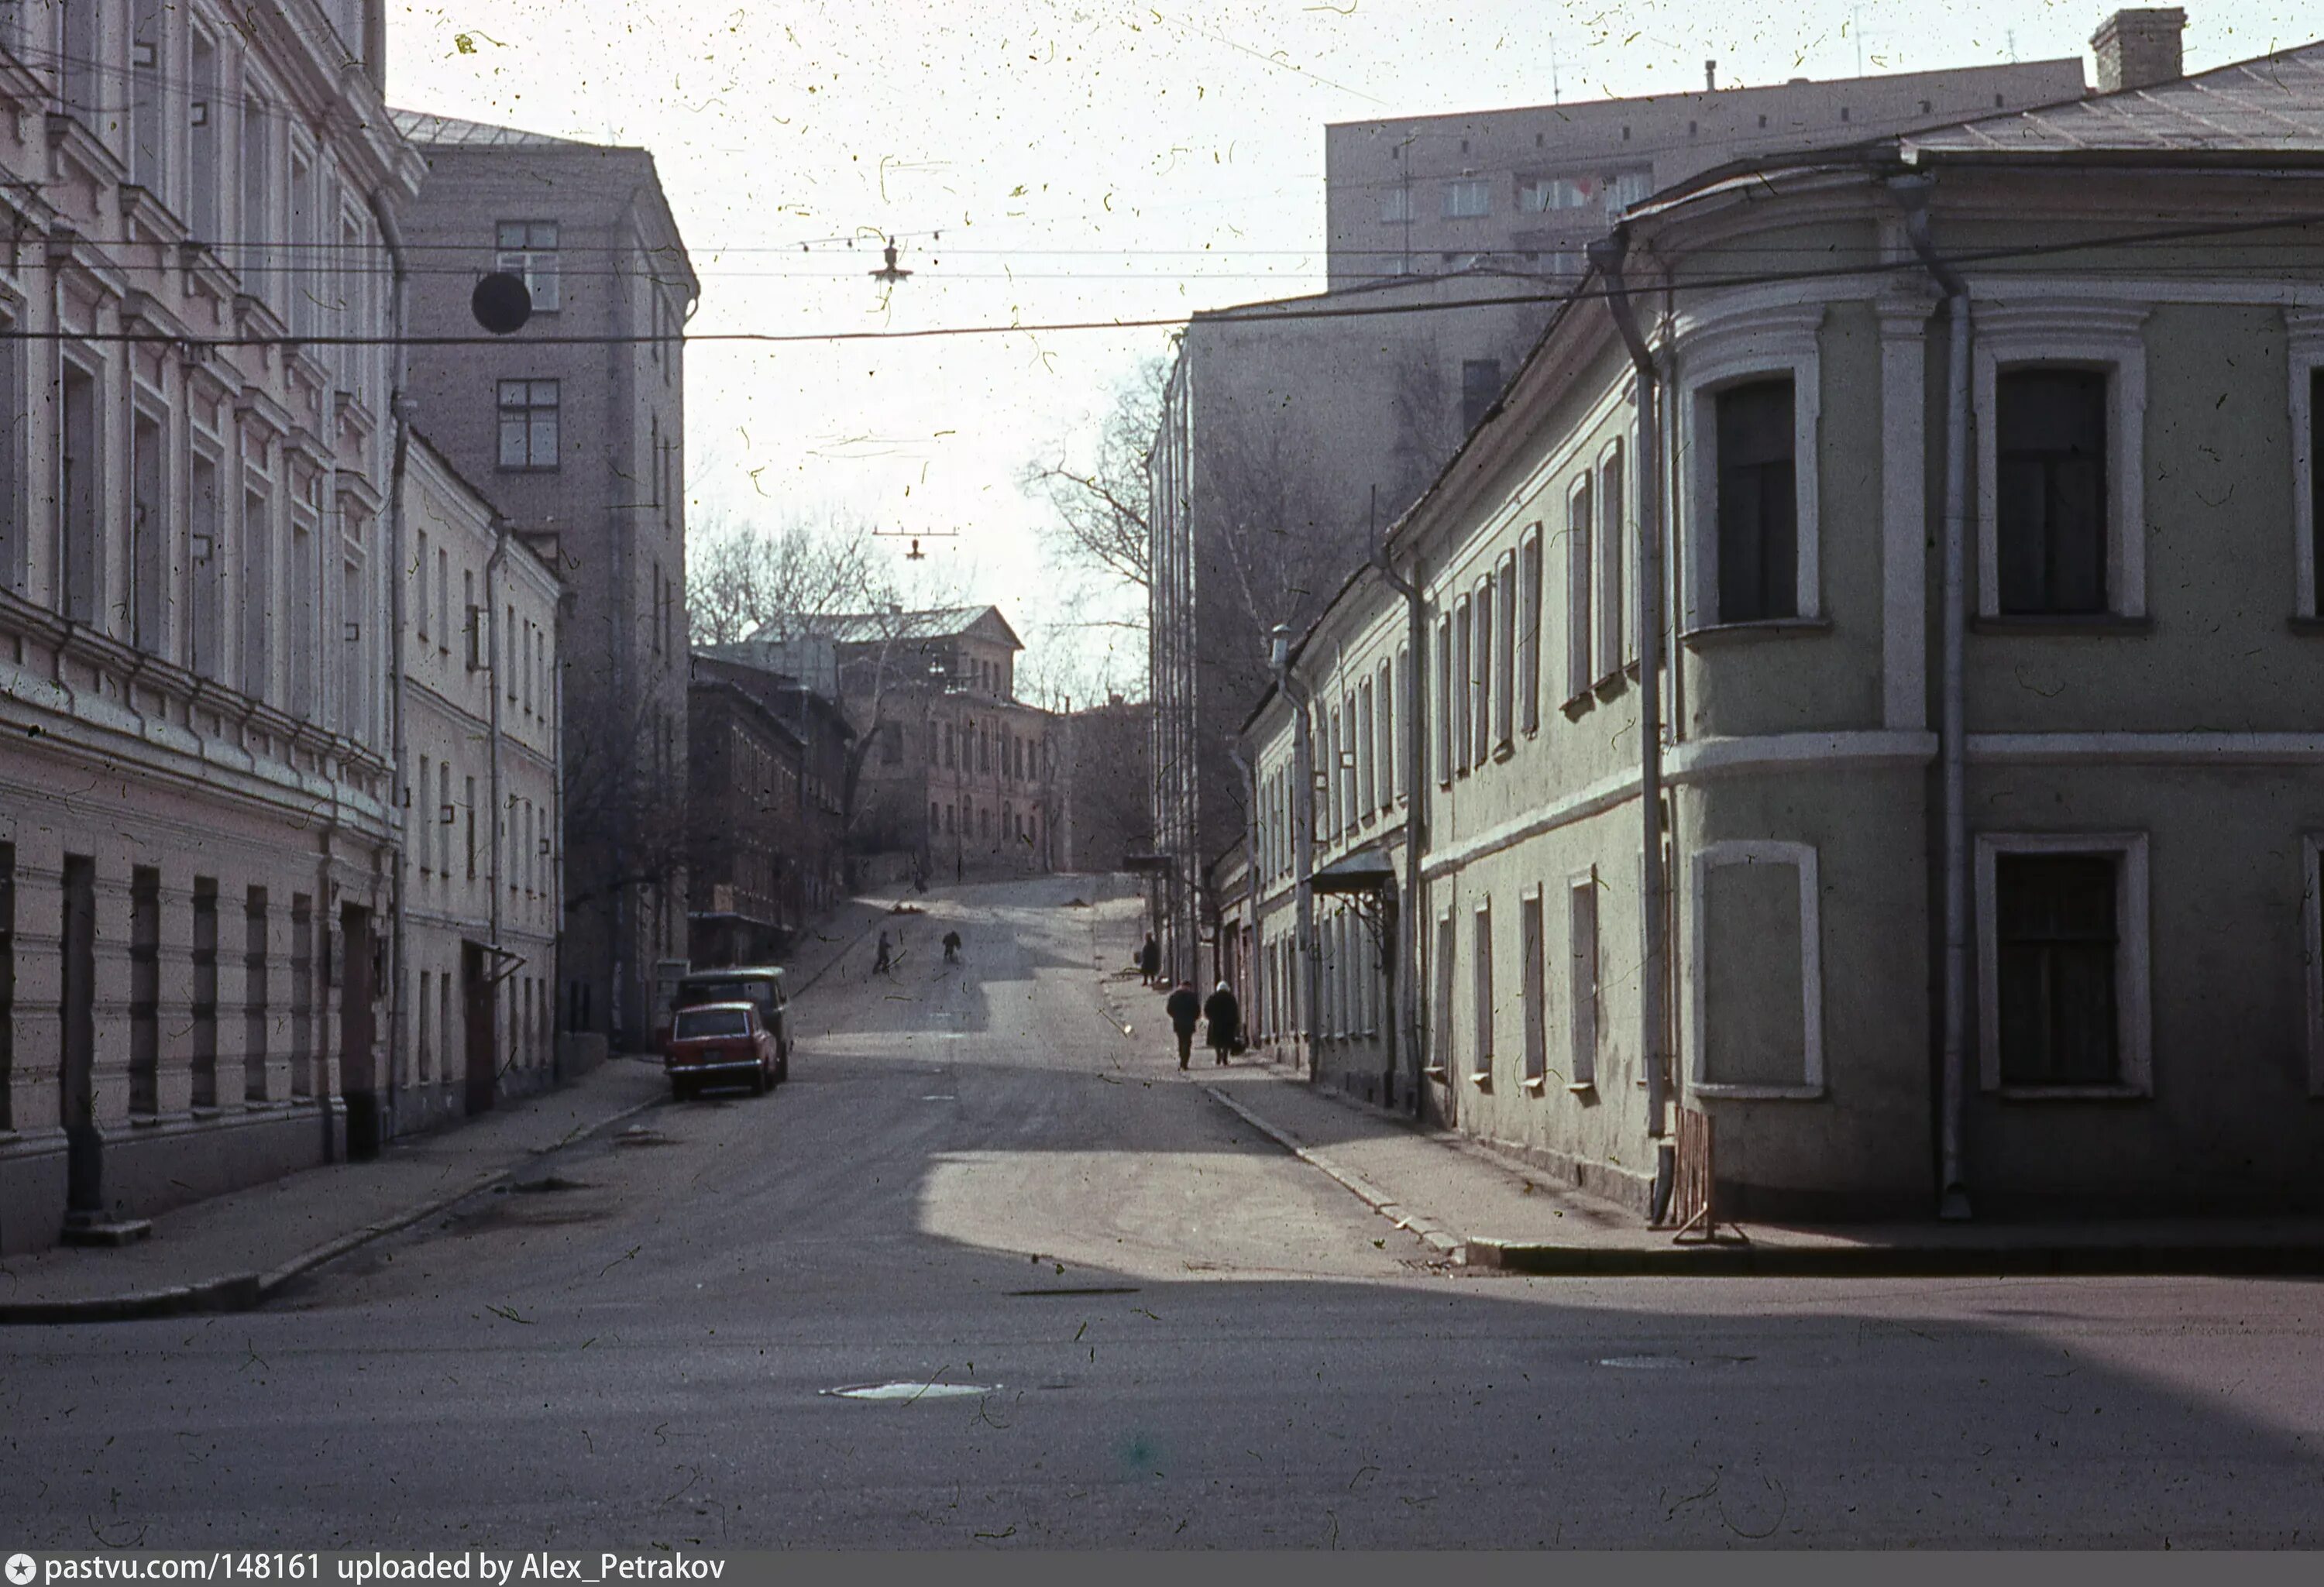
{"points": [[1626, 188], [1481, 1058], [1536, 989], [443, 600], [1556, 193], [1444, 701], [470, 807], [204, 1008], [1756, 995], [1580, 529], [1480, 388], [2311, 485], [1612, 539], [1468, 199], [2061, 949], [527, 249], [528, 411], [1505, 650], [421, 813], [2051, 524], [149, 534], [1464, 688], [1757, 507], [1480, 677], [80, 490], [1581, 983], [1394, 204], [1529, 624], [1387, 756], [1367, 741], [1441, 1047]]}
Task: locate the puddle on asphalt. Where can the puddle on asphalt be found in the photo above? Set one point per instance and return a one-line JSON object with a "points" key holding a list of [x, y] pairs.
{"points": [[908, 1392], [1655, 1363]]}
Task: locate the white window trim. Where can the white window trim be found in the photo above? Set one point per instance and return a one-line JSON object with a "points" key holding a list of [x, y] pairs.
{"points": [[1482, 1023], [2304, 347], [2074, 333], [2132, 985], [1764, 345], [1534, 960], [1580, 581], [2311, 928], [1801, 858], [1610, 632], [1585, 882]]}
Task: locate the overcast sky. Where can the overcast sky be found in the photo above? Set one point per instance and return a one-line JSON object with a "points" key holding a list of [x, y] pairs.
{"points": [[1088, 161]]}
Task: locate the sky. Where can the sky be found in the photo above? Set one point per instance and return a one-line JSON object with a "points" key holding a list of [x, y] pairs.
{"points": [[1063, 160]]}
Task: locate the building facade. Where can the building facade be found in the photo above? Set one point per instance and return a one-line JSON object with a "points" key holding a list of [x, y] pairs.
{"points": [[584, 442], [1294, 432], [481, 862], [770, 766], [1983, 664], [196, 823]]}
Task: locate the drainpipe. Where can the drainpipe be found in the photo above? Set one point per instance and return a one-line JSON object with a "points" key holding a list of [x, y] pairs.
{"points": [[1303, 837], [399, 409], [1653, 999], [1407, 913], [1912, 192], [557, 826], [493, 679]]}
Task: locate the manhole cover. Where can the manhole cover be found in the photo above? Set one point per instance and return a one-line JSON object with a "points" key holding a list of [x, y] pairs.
{"points": [[909, 1392]]}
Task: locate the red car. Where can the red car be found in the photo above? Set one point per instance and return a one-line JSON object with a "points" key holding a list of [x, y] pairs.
{"points": [[719, 1044]]}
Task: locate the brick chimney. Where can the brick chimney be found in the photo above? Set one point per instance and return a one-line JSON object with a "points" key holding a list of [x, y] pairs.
{"points": [[2139, 49]]}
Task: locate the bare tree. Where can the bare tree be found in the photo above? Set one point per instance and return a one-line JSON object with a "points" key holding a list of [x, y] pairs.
{"points": [[1100, 500], [745, 581]]}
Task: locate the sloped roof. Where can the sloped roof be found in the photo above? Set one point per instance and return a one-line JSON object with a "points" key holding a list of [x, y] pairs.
{"points": [[855, 628], [422, 126], [2272, 106]]}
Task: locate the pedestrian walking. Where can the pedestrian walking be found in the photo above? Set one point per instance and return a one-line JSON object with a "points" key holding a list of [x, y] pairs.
{"points": [[1185, 1010], [952, 947], [1150, 959], [1225, 1018], [884, 964]]}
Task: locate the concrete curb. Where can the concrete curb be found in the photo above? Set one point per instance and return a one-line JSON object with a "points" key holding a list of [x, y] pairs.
{"points": [[1446, 1244], [1739, 1260], [244, 1292]]}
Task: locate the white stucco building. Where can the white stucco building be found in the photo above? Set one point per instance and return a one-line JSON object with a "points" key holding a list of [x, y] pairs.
{"points": [[197, 819]]}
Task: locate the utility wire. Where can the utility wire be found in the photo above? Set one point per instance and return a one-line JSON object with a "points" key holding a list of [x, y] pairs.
{"points": [[1316, 309]]}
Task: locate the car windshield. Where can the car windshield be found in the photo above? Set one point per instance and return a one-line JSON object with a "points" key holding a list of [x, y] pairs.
{"points": [[726, 992], [698, 1022]]}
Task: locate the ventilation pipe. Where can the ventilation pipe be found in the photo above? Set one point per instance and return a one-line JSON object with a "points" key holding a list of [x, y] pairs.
{"points": [[1912, 192], [1654, 1000]]}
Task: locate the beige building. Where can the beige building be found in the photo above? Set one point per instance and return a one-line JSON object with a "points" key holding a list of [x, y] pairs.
{"points": [[482, 856], [196, 822], [1979, 621], [1295, 431]]}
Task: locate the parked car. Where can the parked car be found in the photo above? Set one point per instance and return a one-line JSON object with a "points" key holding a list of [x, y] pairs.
{"points": [[763, 986], [719, 1044]]}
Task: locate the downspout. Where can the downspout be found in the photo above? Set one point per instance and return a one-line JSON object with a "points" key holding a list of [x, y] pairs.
{"points": [[1407, 912], [1912, 192], [1303, 838], [1653, 992], [493, 680], [557, 826], [399, 408]]}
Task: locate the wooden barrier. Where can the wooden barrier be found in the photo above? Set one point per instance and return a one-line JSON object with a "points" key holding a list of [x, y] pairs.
{"points": [[1692, 1195]]}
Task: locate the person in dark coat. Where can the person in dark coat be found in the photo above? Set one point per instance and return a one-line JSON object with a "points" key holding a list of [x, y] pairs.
{"points": [[1150, 959], [1186, 1011], [882, 964], [1225, 1017]]}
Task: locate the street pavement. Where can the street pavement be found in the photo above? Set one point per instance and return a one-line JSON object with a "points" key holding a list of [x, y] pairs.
{"points": [[1121, 1315]]}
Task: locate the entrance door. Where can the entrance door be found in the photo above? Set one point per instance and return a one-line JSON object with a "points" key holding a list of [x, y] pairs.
{"points": [[476, 1007], [77, 1053], [358, 1073]]}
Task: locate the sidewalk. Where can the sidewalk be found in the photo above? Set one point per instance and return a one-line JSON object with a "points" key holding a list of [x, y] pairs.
{"points": [[232, 1252], [1477, 1206]]}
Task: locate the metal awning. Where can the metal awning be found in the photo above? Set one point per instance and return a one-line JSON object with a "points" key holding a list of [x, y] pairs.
{"points": [[1359, 871]]}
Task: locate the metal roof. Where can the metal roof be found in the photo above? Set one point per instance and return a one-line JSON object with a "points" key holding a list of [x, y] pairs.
{"points": [[2271, 106], [422, 126]]}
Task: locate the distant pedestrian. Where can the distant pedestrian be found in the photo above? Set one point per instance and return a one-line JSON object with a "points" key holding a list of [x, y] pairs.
{"points": [[885, 964], [952, 947], [1225, 1017], [1150, 959], [1186, 1011]]}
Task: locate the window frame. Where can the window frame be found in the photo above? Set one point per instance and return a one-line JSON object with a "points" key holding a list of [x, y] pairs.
{"points": [[1529, 609], [2311, 951], [528, 407], [526, 256], [1585, 1028], [2134, 990], [1580, 582], [2026, 334], [2304, 351], [1801, 858], [1504, 658], [1480, 993], [1769, 343], [1616, 645], [1533, 951], [1451, 204]]}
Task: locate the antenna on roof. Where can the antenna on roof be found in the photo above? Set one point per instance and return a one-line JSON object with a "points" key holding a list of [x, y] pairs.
{"points": [[1711, 77], [1555, 96]]}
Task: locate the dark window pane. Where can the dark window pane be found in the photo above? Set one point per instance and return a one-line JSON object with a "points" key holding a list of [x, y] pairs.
{"points": [[2055, 932], [2316, 478], [2051, 509], [1759, 509]]}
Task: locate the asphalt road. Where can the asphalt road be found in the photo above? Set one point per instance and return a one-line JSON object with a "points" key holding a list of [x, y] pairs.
{"points": [[1148, 1328]]}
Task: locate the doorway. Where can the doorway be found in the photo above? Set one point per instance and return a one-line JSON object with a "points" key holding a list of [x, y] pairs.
{"points": [[477, 1006], [76, 1051], [358, 1075]]}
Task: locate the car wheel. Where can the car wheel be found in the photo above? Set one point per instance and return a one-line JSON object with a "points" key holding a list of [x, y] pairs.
{"points": [[759, 1086], [783, 1065], [680, 1090]]}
